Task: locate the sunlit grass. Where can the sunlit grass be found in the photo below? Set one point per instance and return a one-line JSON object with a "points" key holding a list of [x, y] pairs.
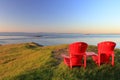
{"points": [[29, 61]]}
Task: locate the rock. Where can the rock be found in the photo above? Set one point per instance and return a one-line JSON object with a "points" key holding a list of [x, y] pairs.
{"points": [[33, 43]]}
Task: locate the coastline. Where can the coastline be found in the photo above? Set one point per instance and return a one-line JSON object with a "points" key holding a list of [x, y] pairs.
{"points": [[47, 39]]}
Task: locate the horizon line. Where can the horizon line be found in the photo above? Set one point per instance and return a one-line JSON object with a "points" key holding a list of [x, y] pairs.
{"points": [[61, 33]]}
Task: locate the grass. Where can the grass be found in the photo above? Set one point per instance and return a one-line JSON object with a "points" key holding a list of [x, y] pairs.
{"points": [[29, 61]]}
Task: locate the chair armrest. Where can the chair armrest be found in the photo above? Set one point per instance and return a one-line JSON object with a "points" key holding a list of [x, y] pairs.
{"points": [[65, 56]]}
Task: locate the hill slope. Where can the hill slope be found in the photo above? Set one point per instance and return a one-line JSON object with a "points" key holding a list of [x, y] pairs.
{"points": [[29, 61]]}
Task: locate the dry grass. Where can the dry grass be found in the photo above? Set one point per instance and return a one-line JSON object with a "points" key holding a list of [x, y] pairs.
{"points": [[29, 61]]}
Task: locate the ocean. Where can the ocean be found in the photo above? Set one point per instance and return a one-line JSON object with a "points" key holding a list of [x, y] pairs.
{"points": [[57, 38]]}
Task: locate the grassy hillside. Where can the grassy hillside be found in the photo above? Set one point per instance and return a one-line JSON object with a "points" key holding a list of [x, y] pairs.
{"points": [[29, 61]]}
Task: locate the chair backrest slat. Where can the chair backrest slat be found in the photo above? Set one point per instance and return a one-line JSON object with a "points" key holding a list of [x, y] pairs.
{"points": [[77, 48], [106, 47]]}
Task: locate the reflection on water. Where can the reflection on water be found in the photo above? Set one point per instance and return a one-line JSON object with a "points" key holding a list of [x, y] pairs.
{"points": [[53, 39]]}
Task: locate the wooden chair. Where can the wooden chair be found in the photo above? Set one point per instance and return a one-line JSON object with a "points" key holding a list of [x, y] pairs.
{"points": [[105, 51], [77, 53]]}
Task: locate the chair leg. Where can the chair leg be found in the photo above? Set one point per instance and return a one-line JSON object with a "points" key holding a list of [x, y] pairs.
{"points": [[99, 60], [84, 61], [70, 65], [112, 59]]}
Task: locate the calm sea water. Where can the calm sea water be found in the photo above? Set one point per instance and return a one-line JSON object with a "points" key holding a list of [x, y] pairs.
{"points": [[55, 38]]}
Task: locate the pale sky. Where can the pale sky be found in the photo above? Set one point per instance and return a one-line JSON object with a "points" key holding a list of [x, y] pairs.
{"points": [[62, 16]]}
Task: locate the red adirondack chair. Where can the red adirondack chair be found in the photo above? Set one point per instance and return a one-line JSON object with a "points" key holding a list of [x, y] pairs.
{"points": [[105, 51], [76, 54]]}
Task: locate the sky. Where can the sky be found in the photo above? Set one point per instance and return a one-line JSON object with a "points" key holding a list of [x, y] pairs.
{"points": [[60, 16]]}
